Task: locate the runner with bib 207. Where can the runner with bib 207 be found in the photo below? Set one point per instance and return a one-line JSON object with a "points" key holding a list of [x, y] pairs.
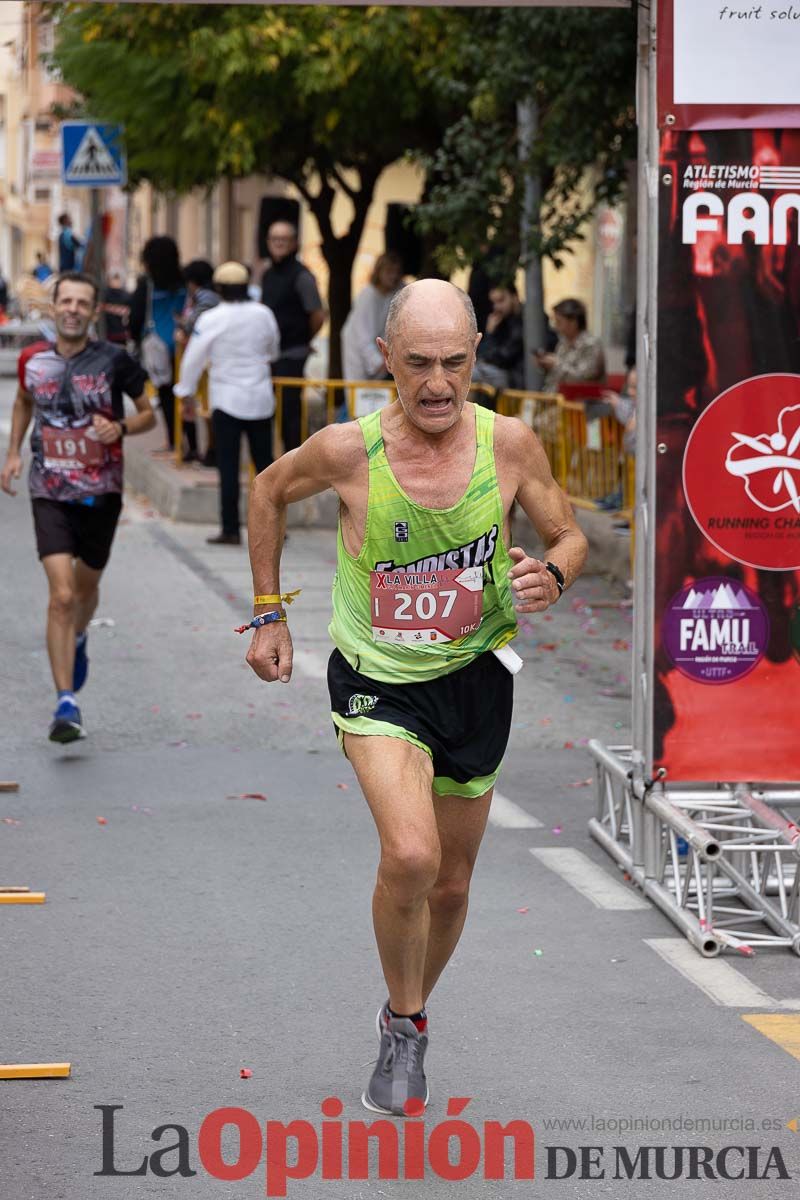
{"points": [[426, 588]]}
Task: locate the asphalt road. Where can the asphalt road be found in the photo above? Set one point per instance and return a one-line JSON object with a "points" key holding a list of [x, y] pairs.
{"points": [[198, 931]]}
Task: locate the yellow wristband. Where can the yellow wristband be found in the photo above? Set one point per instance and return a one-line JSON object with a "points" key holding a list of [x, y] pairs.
{"points": [[286, 598]]}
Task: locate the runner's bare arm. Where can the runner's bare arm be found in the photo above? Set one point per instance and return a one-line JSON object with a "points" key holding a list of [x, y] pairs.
{"points": [[326, 460], [21, 415], [522, 462]]}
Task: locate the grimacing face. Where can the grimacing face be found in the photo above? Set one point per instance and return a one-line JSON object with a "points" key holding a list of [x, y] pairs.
{"points": [[73, 309], [431, 359]]}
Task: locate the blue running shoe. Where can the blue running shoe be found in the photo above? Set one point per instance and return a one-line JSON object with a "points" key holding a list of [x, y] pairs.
{"points": [[66, 725], [81, 668]]}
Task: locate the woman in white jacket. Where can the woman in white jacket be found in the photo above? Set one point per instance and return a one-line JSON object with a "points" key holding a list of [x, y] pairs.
{"points": [[367, 320]]}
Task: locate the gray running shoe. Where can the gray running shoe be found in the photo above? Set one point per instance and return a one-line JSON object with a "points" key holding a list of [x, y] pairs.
{"points": [[399, 1074]]}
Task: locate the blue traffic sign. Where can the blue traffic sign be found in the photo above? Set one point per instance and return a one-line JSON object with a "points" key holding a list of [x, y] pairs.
{"points": [[92, 154]]}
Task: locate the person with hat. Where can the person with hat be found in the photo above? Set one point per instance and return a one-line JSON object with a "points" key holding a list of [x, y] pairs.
{"points": [[235, 342]]}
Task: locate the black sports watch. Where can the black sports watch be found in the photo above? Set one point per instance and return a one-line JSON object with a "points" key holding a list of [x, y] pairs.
{"points": [[123, 429], [558, 576]]}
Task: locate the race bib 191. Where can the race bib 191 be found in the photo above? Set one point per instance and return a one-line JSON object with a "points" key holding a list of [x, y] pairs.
{"points": [[71, 449], [419, 608]]}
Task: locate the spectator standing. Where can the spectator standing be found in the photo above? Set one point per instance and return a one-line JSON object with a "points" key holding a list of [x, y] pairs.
{"points": [[115, 306], [3, 293], [236, 341], [290, 291], [198, 275], [579, 356], [367, 320], [69, 246], [156, 305], [501, 351]]}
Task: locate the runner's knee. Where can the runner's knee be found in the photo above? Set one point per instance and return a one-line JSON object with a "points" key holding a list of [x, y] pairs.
{"points": [[62, 601], [451, 894], [409, 870]]}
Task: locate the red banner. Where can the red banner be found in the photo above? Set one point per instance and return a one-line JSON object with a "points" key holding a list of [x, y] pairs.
{"points": [[727, 581]]}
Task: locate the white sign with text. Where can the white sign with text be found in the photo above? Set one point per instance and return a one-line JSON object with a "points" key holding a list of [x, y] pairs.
{"points": [[737, 53]]}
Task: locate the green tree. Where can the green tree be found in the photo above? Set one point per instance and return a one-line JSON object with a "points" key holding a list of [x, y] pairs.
{"points": [[325, 98], [578, 68]]}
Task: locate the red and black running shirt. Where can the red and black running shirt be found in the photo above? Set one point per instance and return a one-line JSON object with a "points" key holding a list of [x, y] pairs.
{"points": [[66, 392]]}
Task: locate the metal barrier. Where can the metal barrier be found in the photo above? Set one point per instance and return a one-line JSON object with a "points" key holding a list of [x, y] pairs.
{"points": [[723, 863], [585, 452]]}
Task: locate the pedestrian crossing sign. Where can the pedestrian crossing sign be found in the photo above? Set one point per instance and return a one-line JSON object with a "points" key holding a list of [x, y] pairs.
{"points": [[92, 154]]}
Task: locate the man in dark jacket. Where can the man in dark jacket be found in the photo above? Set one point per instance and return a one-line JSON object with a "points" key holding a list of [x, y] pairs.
{"points": [[290, 290], [501, 350]]}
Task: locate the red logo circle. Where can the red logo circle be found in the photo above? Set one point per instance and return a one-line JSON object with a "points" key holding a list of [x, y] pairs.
{"points": [[741, 472]]}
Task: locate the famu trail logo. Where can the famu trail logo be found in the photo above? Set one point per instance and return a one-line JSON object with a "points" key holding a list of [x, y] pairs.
{"points": [[476, 553], [360, 704]]}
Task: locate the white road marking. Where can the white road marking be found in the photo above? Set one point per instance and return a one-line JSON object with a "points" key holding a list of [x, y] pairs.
{"points": [[721, 982], [591, 880], [505, 814]]}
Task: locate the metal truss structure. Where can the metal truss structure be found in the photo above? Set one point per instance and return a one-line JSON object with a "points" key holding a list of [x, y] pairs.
{"points": [[722, 862]]}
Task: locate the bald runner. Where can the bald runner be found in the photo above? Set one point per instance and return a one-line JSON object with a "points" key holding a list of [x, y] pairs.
{"points": [[427, 587]]}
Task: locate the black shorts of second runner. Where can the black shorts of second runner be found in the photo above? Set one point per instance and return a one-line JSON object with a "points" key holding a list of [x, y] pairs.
{"points": [[84, 531], [462, 720]]}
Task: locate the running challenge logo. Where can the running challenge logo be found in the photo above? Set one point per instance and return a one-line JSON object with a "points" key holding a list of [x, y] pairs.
{"points": [[741, 472], [232, 1145]]}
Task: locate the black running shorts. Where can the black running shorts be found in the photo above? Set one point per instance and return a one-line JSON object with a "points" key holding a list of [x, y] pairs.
{"points": [[85, 531], [462, 720]]}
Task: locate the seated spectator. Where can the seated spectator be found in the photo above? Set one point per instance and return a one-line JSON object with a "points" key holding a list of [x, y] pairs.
{"points": [[501, 350], [578, 357], [361, 357], [623, 406], [42, 270]]}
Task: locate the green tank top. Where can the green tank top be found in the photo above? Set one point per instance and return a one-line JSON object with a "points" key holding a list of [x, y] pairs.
{"points": [[401, 535]]}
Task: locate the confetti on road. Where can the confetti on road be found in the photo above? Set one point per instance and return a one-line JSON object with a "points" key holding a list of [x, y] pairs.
{"points": [[522, 910], [580, 783], [569, 745], [11, 821], [155, 708], [245, 1073], [620, 644], [101, 821], [178, 745], [557, 829], [538, 953], [343, 787], [193, 716]]}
